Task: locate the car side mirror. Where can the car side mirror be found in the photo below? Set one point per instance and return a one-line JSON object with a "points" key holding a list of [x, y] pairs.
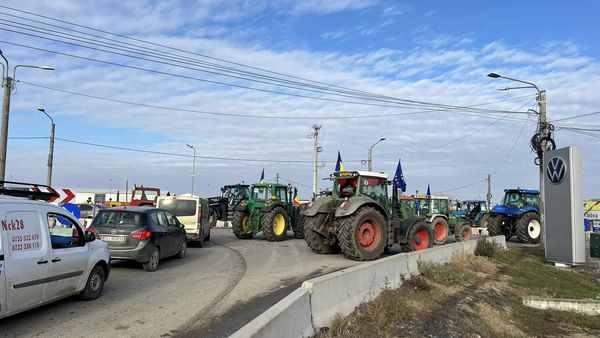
{"points": [[90, 236], [181, 225]]}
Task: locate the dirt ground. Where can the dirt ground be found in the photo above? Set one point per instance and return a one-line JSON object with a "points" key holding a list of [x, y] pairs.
{"points": [[477, 296]]}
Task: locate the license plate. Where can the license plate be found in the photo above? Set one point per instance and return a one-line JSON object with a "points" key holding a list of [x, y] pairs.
{"points": [[119, 239]]}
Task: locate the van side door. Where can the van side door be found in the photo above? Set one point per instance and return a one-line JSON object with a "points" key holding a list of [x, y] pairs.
{"points": [[2, 276], [26, 255], [68, 254]]}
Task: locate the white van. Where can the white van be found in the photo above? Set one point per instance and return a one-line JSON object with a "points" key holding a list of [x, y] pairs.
{"points": [[45, 255], [192, 212]]}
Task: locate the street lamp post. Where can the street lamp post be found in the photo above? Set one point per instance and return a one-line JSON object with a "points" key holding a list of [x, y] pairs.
{"points": [[370, 160], [51, 152], [543, 130], [7, 83], [193, 167]]}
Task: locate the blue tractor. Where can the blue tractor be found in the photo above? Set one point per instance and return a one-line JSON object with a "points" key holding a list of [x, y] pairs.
{"points": [[517, 215]]}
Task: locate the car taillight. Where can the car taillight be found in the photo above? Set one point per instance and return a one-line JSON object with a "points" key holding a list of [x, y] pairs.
{"points": [[142, 235]]}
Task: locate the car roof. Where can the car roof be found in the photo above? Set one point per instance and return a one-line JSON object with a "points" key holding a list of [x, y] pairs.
{"points": [[526, 191], [134, 209], [7, 198]]}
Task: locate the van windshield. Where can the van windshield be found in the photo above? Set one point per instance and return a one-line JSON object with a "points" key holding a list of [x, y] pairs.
{"points": [[179, 207], [118, 219]]}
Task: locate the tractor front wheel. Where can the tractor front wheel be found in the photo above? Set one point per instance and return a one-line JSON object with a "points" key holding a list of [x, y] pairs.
{"points": [[440, 230], [315, 241], [528, 228], [495, 225], [484, 220], [420, 237], [275, 224], [462, 232], [241, 225], [298, 226], [363, 235]]}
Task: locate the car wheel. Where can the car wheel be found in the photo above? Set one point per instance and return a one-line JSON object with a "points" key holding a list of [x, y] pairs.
{"points": [[95, 284], [152, 263], [181, 253]]}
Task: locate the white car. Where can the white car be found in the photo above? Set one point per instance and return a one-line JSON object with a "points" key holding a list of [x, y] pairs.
{"points": [[46, 255]]}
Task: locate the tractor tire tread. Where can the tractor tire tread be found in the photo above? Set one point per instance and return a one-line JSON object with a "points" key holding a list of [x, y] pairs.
{"points": [[521, 228], [314, 240], [236, 224], [345, 234], [267, 224]]}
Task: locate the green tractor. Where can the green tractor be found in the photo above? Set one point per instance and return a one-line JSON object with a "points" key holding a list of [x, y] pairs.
{"points": [[360, 220], [269, 209]]}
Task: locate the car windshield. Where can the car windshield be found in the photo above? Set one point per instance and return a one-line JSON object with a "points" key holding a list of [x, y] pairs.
{"points": [[260, 193], [118, 219]]}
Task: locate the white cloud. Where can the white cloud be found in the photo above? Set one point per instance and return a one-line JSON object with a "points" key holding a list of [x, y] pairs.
{"points": [[451, 70]]}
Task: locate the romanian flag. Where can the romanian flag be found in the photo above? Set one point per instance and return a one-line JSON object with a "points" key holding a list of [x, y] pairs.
{"points": [[339, 166], [296, 198], [262, 176]]}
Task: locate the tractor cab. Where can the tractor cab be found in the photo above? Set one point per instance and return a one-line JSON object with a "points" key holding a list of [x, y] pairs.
{"points": [[517, 201], [466, 209], [348, 184]]}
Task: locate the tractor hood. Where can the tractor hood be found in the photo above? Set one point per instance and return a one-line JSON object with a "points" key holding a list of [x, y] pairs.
{"points": [[459, 213], [501, 209]]}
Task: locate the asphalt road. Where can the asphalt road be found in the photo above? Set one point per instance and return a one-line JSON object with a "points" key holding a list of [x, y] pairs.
{"points": [[211, 293]]}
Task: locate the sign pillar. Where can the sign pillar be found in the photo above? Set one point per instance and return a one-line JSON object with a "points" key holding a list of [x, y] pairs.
{"points": [[563, 212]]}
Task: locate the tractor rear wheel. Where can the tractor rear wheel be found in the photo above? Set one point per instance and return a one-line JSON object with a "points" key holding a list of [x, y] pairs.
{"points": [[241, 225], [317, 242], [275, 224], [420, 237], [440, 230], [484, 220], [298, 226], [363, 235], [495, 225], [528, 228], [462, 232]]}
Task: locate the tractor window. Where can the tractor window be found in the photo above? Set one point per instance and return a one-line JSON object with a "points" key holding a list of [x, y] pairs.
{"points": [[513, 200], [281, 194], [137, 195], [483, 207], [532, 200], [374, 187], [346, 187], [260, 193], [151, 195]]}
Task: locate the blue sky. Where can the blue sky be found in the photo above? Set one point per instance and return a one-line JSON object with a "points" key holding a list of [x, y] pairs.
{"points": [[433, 51]]}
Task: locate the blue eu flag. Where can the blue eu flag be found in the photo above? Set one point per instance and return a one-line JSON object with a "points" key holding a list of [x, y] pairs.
{"points": [[399, 182]]}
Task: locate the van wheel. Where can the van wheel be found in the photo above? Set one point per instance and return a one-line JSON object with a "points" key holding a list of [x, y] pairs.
{"points": [[207, 238], [181, 253], [200, 241], [152, 263], [95, 284]]}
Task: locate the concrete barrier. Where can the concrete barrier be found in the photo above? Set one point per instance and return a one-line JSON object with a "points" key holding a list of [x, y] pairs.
{"points": [[289, 318], [342, 291], [321, 298]]}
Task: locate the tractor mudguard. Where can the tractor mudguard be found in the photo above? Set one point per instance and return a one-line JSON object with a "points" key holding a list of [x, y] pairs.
{"points": [[350, 206], [430, 219], [528, 209], [240, 207], [268, 208], [321, 205]]}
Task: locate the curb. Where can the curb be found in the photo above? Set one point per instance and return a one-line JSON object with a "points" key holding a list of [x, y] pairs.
{"points": [[320, 299]]}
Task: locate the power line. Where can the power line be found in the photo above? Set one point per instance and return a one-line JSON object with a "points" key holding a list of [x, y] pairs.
{"points": [[362, 96], [172, 154], [365, 95], [575, 117], [257, 116]]}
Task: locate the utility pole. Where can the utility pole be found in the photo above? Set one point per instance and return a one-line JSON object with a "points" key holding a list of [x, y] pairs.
{"points": [[4, 130], [316, 150], [51, 152], [543, 128], [193, 167], [277, 178], [489, 193], [370, 158]]}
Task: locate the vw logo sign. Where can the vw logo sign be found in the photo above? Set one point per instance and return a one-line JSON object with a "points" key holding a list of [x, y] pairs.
{"points": [[556, 170], [113, 231]]}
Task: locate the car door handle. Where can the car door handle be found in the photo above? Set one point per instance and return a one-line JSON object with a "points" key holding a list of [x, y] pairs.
{"points": [[42, 261], [57, 259]]}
